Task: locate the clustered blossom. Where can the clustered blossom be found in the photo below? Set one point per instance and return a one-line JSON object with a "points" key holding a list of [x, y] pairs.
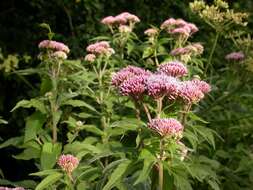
{"points": [[54, 45], [203, 86], [189, 92], [68, 163], [125, 73], [195, 49], [121, 19], [90, 57], [173, 68], [151, 32], [166, 127], [100, 48], [179, 26], [60, 55], [235, 56], [159, 85], [134, 86]]}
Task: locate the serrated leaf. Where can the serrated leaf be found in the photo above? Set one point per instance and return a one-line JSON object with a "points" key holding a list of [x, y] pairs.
{"points": [[49, 180], [35, 103], [79, 103], [15, 141], [44, 172], [28, 154], [49, 155], [93, 129], [34, 124], [117, 175]]}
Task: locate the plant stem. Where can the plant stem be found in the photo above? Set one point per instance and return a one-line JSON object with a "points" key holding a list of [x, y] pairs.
{"points": [[160, 166], [147, 111], [186, 109], [212, 52], [159, 107]]}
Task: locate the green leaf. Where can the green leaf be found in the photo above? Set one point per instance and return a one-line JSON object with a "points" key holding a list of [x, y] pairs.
{"points": [[15, 141], [93, 129], [213, 184], [194, 117], [79, 103], [44, 173], [206, 133], [49, 180], [28, 154], [149, 161], [147, 52], [35, 103], [117, 175], [34, 124], [2, 121], [49, 155]]}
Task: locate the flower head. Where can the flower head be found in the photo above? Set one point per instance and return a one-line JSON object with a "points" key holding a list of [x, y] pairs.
{"points": [[159, 85], [124, 29], [60, 55], [100, 48], [166, 127], [235, 56], [110, 20], [173, 68], [202, 85], [151, 32], [68, 163], [54, 45], [190, 92], [15, 188], [179, 26], [90, 57], [125, 17], [125, 73], [134, 86]]}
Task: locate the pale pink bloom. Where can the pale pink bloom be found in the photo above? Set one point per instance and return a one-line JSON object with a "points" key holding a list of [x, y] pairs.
{"points": [[180, 51], [183, 150], [54, 45], [127, 17], [166, 127], [100, 48], [193, 28], [60, 55], [159, 85], [90, 57], [151, 32], [181, 31], [134, 86], [168, 23], [235, 56], [68, 163], [125, 73], [202, 85], [189, 92], [173, 68], [180, 22], [110, 20], [124, 29]]}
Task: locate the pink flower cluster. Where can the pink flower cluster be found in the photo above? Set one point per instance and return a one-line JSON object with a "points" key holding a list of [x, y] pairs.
{"points": [[193, 91], [131, 81], [173, 68], [235, 56], [166, 127], [159, 85], [121, 19], [136, 82], [151, 32], [97, 49], [195, 49], [179, 26], [125, 73], [54, 45], [68, 163]]}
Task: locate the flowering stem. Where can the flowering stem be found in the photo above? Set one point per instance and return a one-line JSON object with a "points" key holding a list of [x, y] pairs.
{"points": [[160, 166], [159, 107], [186, 109], [212, 52], [147, 111]]}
